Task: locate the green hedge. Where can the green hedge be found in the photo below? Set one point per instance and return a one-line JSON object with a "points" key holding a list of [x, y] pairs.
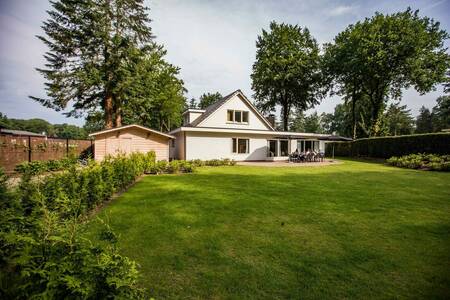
{"points": [[44, 253], [385, 147]]}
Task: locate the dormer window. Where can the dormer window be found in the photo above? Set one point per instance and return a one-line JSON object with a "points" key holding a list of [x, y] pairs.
{"points": [[237, 116]]}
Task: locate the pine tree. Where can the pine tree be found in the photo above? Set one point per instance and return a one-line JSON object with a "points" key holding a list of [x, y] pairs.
{"points": [[94, 46]]}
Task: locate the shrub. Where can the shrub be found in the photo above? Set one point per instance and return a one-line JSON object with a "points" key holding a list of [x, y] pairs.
{"points": [[422, 161], [385, 147], [40, 166]]}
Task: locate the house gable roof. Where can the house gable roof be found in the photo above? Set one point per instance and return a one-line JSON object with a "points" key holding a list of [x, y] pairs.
{"points": [[132, 126], [216, 105]]}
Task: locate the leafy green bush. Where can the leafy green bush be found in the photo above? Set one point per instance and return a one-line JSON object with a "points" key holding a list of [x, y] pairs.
{"points": [[422, 161], [43, 250], [44, 253], [40, 166], [385, 147]]}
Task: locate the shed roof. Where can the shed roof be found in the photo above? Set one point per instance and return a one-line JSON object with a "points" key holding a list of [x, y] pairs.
{"points": [[20, 132], [132, 126]]}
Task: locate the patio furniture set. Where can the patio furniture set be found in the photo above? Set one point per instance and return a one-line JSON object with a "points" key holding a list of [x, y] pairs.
{"points": [[308, 156]]}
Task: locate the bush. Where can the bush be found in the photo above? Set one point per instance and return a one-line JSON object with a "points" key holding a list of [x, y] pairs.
{"points": [[422, 161], [40, 166], [44, 253], [385, 147]]}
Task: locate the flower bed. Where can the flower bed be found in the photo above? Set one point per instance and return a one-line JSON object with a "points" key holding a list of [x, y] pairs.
{"points": [[422, 161]]}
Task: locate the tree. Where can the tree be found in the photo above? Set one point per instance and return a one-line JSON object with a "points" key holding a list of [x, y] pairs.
{"points": [[94, 122], [382, 55], [398, 120], [297, 121], [424, 121], [93, 50], [67, 131], [208, 99], [441, 113], [192, 104], [287, 70], [157, 95], [313, 123]]}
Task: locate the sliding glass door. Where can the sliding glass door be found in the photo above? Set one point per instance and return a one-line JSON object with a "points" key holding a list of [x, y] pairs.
{"points": [[272, 148], [308, 145]]}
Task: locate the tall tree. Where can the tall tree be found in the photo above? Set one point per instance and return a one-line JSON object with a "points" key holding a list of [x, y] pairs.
{"points": [[207, 99], [156, 97], [386, 54], [424, 121], [398, 120], [287, 70], [93, 45], [441, 113]]}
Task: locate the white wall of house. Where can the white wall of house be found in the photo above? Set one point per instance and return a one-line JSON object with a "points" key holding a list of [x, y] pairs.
{"points": [[208, 145], [219, 117], [213, 145]]}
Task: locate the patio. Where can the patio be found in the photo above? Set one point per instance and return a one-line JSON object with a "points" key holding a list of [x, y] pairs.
{"points": [[285, 163]]}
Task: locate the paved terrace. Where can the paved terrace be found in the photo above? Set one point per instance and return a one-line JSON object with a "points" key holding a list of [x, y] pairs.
{"points": [[285, 163]]}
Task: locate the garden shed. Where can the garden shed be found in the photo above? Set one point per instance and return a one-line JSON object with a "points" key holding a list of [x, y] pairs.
{"points": [[131, 138]]}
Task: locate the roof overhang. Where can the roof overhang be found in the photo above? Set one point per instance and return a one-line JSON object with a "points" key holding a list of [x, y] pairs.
{"points": [[192, 110], [273, 134], [132, 126]]}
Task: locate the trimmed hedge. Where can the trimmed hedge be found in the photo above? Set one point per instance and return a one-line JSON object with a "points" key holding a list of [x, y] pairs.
{"points": [[44, 252], [386, 147]]}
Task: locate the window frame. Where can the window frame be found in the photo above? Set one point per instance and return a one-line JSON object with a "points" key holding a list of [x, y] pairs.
{"points": [[235, 145], [241, 112], [279, 147]]}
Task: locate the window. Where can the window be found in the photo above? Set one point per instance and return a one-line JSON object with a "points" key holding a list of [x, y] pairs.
{"points": [[230, 115], [237, 116], [273, 148], [304, 146], [245, 116], [284, 148], [240, 145]]}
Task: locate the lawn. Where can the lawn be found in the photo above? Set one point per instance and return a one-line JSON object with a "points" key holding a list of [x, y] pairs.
{"points": [[354, 230]]}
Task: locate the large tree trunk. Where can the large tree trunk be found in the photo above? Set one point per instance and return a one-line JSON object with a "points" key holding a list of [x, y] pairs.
{"points": [[118, 112], [286, 111], [118, 117], [108, 111]]}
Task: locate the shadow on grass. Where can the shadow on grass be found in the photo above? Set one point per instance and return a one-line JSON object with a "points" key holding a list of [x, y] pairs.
{"points": [[352, 231]]}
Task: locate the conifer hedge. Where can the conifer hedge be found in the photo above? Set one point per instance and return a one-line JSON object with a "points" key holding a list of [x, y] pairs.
{"points": [[386, 147]]}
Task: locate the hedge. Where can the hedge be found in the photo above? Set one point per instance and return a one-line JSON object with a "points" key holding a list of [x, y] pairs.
{"points": [[386, 147], [44, 251]]}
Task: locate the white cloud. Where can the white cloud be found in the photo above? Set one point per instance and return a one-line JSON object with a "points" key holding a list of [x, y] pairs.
{"points": [[213, 42], [342, 10]]}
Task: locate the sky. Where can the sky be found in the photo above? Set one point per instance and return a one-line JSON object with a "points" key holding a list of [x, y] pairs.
{"points": [[213, 42]]}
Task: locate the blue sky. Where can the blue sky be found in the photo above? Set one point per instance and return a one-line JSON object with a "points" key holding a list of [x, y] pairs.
{"points": [[213, 42]]}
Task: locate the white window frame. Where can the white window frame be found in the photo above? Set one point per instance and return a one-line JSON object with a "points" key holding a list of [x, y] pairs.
{"points": [[313, 143], [235, 150], [279, 147], [242, 116]]}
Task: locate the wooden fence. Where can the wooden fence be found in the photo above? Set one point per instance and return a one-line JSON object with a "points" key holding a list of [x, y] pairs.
{"points": [[15, 149]]}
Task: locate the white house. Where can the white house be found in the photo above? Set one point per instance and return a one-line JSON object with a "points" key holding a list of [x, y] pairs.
{"points": [[233, 128]]}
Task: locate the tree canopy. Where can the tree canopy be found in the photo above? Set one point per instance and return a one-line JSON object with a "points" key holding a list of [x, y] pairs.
{"points": [[95, 48], [379, 57], [207, 99], [287, 70]]}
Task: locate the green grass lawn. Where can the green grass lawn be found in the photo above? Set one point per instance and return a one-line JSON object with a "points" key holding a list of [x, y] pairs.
{"points": [[354, 230]]}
